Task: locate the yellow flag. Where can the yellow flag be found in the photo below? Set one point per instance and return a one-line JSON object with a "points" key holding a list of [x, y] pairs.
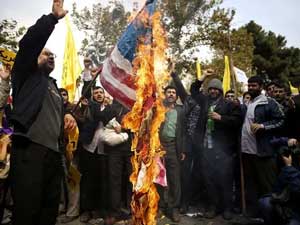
{"points": [[294, 90], [198, 67], [72, 139], [7, 57], [72, 136], [71, 65], [226, 78], [74, 178]]}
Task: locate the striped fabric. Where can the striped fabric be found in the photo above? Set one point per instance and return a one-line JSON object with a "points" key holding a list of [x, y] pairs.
{"points": [[117, 76]]}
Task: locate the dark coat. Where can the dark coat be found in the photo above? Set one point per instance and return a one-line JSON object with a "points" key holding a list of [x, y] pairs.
{"points": [[272, 117], [293, 120], [90, 123], [29, 84], [118, 111], [225, 130], [180, 130], [290, 177], [225, 134]]}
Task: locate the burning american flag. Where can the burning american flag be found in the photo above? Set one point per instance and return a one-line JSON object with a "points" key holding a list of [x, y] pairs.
{"points": [[135, 74], [117, 75]]}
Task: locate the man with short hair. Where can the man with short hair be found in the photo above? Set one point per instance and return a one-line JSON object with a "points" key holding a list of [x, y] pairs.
{"points": [[229, 95], [65, 96], [172, 138], [263, 118], [39, 121], [93, 161], [270, 89], [246, 98], [280, 94]]}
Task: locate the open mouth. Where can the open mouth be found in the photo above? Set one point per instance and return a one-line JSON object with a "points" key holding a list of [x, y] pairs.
{"points": [[51, 62]]}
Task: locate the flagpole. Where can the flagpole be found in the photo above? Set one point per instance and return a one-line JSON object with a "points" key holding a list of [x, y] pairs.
{"points": [[233, 76], [232, 73]]}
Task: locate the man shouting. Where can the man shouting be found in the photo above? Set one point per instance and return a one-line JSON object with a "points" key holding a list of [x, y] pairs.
{"points": [[39, 121]]}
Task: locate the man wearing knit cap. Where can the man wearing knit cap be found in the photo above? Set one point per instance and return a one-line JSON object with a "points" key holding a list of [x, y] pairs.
{"points": [[217, 125]]}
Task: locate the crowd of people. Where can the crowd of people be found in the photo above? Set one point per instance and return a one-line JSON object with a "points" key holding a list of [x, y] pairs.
{"points": [[221, 153], [259, 133]]}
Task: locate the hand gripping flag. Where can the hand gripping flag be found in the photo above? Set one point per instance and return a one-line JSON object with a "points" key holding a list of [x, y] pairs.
{"points": [[117, 75]]}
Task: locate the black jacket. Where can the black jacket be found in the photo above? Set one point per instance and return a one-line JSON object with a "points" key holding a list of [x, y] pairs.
{"points": [[90, 123], [180, 131], [225, 132], [29, 84], [272, 117], [293, 120], [118, 111]]}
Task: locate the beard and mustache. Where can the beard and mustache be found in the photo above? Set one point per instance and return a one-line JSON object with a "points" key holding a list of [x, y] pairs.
{"points": [[254, 93]]}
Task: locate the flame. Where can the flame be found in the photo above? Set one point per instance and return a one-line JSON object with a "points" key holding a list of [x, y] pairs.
{"points": [[144, 120]]}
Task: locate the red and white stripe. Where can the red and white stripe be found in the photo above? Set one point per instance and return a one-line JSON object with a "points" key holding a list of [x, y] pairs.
{"points": [[117, 80]]}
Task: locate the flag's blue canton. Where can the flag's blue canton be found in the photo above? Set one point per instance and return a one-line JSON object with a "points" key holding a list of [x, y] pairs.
{"points": [[128, 41]]}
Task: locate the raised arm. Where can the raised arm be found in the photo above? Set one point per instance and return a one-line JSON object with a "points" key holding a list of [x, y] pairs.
{"points": [[179, 86], [35, 39]]}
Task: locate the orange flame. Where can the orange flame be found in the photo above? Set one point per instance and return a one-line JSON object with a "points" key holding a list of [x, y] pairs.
{"points": [[145, 118]]}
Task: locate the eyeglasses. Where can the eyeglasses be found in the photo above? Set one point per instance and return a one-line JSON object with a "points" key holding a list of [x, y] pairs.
{"points": [[64, 94], [49, 54]]}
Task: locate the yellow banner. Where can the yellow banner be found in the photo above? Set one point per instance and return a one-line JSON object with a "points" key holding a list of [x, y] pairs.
{"points": [[7, 57], [72, 136], [226, 78], [72, 139], [198, 67], [294, 90], [71, 65], [74, 178]]}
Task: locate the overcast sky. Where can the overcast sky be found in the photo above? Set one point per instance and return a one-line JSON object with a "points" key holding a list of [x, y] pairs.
{"points": [[281, 17]]}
